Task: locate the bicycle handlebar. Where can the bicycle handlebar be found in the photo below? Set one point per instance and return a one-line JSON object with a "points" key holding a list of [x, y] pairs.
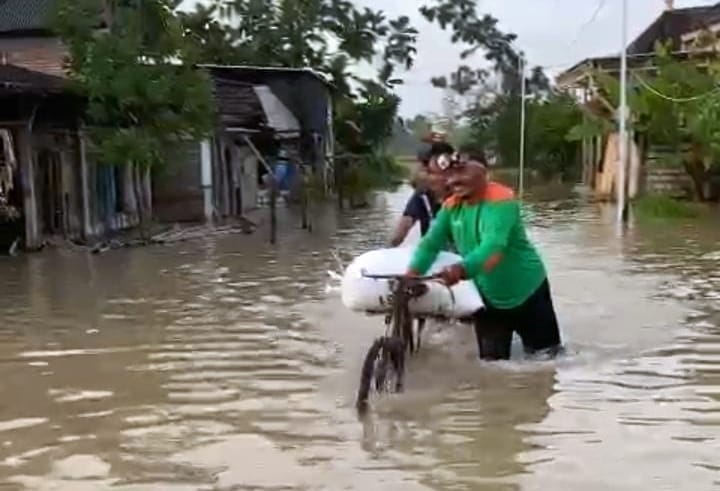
{"points": [[399, 277]]}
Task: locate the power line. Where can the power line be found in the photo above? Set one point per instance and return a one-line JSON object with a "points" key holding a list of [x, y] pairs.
{"points": [[679, 100], [600, 6]]}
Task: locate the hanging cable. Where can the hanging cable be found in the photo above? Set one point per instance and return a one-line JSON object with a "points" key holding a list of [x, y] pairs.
{"points": [[600, 6], [679, 100]]}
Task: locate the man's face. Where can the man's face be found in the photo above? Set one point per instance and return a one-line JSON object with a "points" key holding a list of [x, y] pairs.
{"points": [[436, 183], [463, 179], [433, 181], [436, 179]]}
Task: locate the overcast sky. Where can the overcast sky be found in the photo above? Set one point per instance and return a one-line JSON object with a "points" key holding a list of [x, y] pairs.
{"points": [[555, 33]]}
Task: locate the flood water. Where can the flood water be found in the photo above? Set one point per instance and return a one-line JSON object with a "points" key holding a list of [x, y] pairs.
{"points": [[227, 364]]}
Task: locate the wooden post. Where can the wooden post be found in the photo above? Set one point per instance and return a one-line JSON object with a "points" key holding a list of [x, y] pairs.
{"points": [[273, 188], [85, 191], [339, 164], [304, 198], [273, 210], [27, 172]]}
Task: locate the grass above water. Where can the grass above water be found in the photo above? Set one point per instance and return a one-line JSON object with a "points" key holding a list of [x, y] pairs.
{"points": [[653, 208]]}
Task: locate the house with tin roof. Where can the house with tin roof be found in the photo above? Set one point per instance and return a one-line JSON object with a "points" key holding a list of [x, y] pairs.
{"points": [[260, 110], [684, 31], [56, 188]]}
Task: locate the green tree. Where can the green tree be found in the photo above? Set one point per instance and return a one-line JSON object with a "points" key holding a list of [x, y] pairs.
{"points": [[420, 126], [479, 33], [491, 118], [301, 33], [329, 36], [549, 151], [210, 38], [495, 126], [143, 94]]}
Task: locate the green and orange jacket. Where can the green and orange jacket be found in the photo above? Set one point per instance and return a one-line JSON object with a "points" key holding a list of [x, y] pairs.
{"points": [[489, 234]]}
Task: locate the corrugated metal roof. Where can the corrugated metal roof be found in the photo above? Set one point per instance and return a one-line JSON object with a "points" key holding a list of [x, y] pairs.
{"points": [[25, 15], [671, 25], [20, 80], [237, 69], [279, 117]]}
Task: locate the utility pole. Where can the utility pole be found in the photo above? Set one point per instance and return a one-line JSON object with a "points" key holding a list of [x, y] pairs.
{"points": [[521, 177], [622, 116]]}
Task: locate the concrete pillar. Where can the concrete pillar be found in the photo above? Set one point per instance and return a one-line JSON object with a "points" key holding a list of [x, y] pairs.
{"points": [[206, 176], [33, 241]]}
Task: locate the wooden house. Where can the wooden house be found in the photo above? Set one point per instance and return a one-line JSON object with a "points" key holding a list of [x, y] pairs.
{"points": [[59, 190], [682, 28], [259, 109]]}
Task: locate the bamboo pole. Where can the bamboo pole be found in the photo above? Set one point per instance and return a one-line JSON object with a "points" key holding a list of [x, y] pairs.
{"points": [[273, 188]]}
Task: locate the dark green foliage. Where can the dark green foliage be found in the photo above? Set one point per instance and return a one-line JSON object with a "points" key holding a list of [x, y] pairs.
{"points": [[137, 74]]}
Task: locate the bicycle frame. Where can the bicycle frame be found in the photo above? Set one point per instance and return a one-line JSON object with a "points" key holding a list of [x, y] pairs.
{"points": [[398, 338], [403, 290]]}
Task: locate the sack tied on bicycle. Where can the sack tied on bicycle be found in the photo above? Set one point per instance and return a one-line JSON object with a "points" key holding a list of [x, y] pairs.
{"points": [[371, 295]]}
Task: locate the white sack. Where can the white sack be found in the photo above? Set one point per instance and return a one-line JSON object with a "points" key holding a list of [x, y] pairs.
{"points": [[372, 295]]}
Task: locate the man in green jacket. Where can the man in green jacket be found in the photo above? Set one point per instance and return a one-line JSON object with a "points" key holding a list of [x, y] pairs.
{"points": [[483, 220]]}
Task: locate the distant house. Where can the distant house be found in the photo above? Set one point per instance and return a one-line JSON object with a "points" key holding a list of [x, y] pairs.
{"points": [[259, 109], [58, 189], [682, 28]]}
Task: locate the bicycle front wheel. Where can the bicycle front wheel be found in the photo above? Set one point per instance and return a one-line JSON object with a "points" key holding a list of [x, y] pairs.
{"points": [[383, 369]]}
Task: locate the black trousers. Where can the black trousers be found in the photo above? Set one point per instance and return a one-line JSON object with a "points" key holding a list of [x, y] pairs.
{"points": [[535, 321]]}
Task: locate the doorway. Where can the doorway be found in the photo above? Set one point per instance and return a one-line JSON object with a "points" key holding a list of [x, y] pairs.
{"points": [[49, 191]]}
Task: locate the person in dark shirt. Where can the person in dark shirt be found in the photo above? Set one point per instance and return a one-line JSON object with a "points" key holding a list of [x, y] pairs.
{"points": [[425, 202]]}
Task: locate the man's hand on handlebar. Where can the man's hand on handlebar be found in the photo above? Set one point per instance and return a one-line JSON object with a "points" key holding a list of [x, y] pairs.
{"points": [[450, 276]]}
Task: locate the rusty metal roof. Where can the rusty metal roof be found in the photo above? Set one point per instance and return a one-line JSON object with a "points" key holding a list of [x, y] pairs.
{"points": [[672, 24], [238, 105]]}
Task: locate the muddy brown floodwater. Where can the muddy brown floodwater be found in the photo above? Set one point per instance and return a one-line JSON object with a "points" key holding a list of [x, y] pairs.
{"points": [[226, 364]]}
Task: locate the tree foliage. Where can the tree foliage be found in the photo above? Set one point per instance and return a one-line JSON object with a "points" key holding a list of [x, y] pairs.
{"points": [[478, 33], [495, 126], [492, 93], [137, 75], [329, 36]]}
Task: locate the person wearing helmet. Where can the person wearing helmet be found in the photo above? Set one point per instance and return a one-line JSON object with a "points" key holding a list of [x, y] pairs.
{"points": [[483, 220]]}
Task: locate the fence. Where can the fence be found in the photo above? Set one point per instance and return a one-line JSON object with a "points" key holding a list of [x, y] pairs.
{"points": [[665, 175]]}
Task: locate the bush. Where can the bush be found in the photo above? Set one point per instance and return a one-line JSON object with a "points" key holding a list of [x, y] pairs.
{"points": [[664, 208], [375, 171]]}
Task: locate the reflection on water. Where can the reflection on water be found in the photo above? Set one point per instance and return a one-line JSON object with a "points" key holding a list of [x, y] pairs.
{"points": [[226, 364]]}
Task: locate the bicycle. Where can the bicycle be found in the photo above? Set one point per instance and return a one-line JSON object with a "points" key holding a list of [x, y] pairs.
{"points": [[384, 365]]}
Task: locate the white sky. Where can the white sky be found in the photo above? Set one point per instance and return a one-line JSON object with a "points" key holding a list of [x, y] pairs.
{"points": [[555, 33]]}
